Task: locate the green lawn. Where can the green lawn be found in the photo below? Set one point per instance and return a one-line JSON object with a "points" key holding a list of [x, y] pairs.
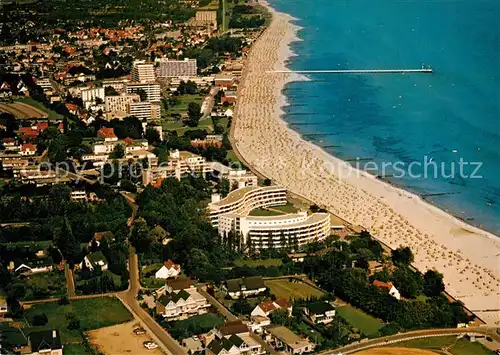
{"points": [[181, 128], [45, 285], [358, 319], [465, 347], [456, 347], [288, 208], [259, 262], [93, 313], [44, 244], [285, 289], [264, 212], [195, 325], [75, 349], [52, 114], [306, 330], [182, 103], [232, 157]]}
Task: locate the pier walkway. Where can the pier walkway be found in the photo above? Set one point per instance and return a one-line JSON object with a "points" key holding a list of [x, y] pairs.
{"points": [[354, 71]]}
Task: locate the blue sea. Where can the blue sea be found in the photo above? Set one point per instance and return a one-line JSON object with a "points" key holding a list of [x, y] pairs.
{"points": [[451, 114]]}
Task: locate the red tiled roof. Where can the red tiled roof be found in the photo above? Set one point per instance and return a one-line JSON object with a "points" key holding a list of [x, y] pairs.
{"points": [[170, 264], [71, 107], [267, 306], [40, 127], [106, 132], [8, 140], [283, 303], [25, 130], [28, 147], [387, 285]]}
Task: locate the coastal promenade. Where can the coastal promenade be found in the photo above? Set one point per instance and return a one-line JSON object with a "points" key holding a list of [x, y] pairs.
{"points": [[468, 257]]}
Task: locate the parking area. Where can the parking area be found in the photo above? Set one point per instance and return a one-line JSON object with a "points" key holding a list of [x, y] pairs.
{"points": [[120, 339]]}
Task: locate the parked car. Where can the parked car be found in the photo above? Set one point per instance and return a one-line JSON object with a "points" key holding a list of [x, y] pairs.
{"points": [[150, 345], [195, 337], [139, 331]]}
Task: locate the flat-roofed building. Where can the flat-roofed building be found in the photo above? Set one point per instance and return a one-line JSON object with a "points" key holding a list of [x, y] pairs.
{"points": [[291, 230], [242, 201], [282, 338], [180, 163], [144, 110], [152, 90], [142, 71], [206, 18], [173, 68], [120, 103], [89, 96]]}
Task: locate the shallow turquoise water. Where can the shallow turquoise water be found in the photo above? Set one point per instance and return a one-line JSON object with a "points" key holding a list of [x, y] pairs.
{"points": [[451, 114]]}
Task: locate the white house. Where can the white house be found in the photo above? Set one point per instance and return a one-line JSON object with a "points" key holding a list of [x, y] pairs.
{"points": [[168, 270], [320, 312], [178, 305], [46, 342], [95, 261], [42, 265], [393, 291], [248, 286], [266, 307]]}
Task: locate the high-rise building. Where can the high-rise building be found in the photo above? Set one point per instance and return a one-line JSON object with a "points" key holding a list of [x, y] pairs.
{"points": [[171, 68], [143, 72], [152, 90], [144, 109], [89, 96], [120, 103]]}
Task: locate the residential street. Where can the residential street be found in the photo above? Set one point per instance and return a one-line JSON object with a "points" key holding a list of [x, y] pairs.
{"points": [[129, 299]]}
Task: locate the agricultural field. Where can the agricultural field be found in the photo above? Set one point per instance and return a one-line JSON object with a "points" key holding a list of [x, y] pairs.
{"points": [[258, 262], [92, 313], [452, 344], [22, 110], [282, 288], [367, 324], [396, 351]]}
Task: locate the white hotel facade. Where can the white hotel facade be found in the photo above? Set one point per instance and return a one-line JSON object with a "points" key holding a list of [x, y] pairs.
{"points": [[294, 229]]}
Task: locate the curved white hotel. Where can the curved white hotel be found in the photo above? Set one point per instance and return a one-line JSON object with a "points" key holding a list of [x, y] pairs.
{"points": [[242, 201], [289, 230]]}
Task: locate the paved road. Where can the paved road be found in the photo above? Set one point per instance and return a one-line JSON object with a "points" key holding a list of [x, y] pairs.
{"points": [[220, 307], [70, 280], [393, 339], [129, 299]]}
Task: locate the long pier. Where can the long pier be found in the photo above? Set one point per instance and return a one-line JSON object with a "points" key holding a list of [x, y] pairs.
{"points": [[354, 71]]}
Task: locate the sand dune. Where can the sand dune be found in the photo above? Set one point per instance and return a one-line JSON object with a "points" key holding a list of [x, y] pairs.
{"points": [[468, 257]]}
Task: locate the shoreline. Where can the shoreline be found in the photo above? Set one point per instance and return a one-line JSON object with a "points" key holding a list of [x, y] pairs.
{"points": [[466, 255]]}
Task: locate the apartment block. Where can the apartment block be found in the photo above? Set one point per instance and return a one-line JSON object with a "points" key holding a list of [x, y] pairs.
{"points": [[143, 72], [152, 90], [172, 68], [144, 110], [121, 102]]}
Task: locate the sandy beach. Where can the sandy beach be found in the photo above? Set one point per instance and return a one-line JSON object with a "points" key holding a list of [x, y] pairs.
{"points": [[468, 257]]}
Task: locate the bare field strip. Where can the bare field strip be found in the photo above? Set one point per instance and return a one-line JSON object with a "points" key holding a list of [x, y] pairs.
{"points": [[22, 110]]}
